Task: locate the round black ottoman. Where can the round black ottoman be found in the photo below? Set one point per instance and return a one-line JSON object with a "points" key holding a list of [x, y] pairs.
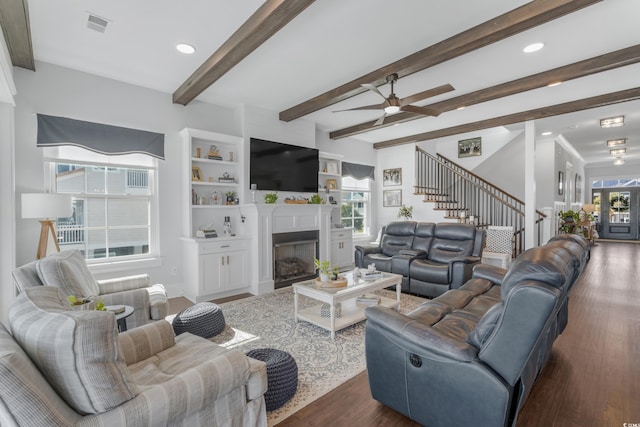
{"points": [[282, 375], [204, 319]]}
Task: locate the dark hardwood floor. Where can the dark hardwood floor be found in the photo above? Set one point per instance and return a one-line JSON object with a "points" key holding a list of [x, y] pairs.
{"points": [[592, 378]]}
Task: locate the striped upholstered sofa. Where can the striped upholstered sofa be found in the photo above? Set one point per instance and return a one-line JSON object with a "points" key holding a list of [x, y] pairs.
{"points": [[68, 271], [64, 367]]}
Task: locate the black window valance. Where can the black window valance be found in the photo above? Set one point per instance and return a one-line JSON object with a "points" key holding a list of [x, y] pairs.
{"points": [[105, 139], [358, 171]]}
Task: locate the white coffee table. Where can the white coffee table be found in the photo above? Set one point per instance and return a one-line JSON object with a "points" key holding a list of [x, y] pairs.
{"points": [[352, 313]]}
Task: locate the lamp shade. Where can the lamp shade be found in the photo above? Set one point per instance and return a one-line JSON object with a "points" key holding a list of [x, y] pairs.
{"points": [[46, 205], [589, 208]]}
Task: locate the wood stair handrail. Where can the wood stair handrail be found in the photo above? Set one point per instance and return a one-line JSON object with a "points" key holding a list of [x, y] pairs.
{"points": [[484, 181]]}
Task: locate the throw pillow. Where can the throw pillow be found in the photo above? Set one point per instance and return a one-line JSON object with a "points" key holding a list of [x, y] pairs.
{"points": [[77, 351], [68, 271], [499, 240]]}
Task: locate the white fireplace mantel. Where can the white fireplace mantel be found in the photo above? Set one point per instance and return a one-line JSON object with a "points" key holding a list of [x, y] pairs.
{"points": [[266, 219]]}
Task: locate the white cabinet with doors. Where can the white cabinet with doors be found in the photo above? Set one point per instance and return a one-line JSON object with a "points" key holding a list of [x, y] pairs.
{"points": [[215, 269], [342, 248]]}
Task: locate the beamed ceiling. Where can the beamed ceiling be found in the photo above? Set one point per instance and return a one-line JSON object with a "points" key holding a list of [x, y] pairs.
{"points": [[304, 60]]}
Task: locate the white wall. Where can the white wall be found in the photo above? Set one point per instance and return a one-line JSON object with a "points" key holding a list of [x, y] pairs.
{"points": [[63, 92], [7, 210]]}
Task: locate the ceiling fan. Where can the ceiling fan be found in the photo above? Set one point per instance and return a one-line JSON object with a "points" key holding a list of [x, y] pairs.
{"points": [[392, 104]]}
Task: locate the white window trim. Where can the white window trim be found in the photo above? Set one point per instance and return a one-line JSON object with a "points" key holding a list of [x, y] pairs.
{"points": [[121, 263]]}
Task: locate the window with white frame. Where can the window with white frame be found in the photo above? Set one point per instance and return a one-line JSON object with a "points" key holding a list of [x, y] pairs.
{"points": [[114, 204], [356, 206]]}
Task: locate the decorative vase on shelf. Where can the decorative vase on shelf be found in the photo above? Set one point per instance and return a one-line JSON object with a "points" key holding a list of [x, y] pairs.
{"points": [[324, 277]]}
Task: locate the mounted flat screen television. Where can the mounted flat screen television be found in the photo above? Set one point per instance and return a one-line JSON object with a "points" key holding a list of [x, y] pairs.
{"points": [[275, 166]]}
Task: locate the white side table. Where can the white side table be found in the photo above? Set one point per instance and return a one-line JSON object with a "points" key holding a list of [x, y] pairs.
{"points": [[498, 259]]}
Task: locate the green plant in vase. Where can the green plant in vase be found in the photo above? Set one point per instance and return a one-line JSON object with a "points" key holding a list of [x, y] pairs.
{"points": [[324, 268], [316, 199], [405, 212], [270, 198]]}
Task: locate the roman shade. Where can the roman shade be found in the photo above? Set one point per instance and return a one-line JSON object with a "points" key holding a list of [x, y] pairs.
{"points": [[358, 171], [105, 139]]}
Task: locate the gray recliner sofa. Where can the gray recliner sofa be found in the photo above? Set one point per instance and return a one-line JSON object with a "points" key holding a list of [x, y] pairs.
{"points": [[472, 355], [432, 258]]}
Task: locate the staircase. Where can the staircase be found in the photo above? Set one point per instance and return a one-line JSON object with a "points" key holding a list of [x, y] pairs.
{"points": [[462, 194]]}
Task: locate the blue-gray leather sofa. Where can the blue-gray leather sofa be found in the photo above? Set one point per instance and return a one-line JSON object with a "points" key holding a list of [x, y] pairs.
{"points": [[432, 258], [471, 356]]}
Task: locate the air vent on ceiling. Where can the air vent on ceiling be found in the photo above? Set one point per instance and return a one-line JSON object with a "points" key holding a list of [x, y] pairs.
{"points": [[96, 23]]}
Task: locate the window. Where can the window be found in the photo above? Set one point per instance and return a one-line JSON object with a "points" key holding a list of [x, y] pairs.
{"points": [[355, 210], [113, 204]]}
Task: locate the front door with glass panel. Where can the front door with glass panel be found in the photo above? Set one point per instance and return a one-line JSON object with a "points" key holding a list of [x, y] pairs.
{"points": [[619, 213]]}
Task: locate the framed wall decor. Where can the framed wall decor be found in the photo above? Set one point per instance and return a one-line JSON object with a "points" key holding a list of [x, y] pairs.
{"points": [[577, 188], [392, 177], [470, 147], [332, 184], [392, 198], [560, 183], [196, 173]]}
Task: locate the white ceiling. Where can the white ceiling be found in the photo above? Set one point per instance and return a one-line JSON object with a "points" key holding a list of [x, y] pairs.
{"points": [[335, 41]]}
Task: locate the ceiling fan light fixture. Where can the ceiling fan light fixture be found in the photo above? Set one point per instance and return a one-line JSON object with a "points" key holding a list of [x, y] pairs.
{"points": [[185, 48], [612, 122], [617, 151], [616, 142], [391, 109], [618, 161], [533, 47]]}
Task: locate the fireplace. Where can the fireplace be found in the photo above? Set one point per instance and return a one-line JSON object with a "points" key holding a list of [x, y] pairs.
{"points": [[293, 255]]}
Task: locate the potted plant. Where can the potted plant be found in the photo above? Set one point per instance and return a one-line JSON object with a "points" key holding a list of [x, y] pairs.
{"points": [[270, 198], [324, 268], [405, 212], [316, 199]]}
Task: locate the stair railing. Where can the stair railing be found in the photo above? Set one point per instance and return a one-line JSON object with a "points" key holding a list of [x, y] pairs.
{"points": [[464, 195]]}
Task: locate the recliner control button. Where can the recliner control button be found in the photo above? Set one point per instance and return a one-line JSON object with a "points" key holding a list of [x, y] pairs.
{"points": [[415, 360]]}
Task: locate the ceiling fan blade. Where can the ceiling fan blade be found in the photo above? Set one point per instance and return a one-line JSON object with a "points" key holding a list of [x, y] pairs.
{"points": [[366, 107], [380, 120], [426, 94], [373, 88], [426, 111]]}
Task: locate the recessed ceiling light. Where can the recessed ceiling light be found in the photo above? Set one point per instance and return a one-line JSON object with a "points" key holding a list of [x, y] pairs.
{"points": [[612, 122], [618, 161], [616, 142], [617, 151], [554, 84], [547, 133], [185, 48], [462, 107], [533, 47]]}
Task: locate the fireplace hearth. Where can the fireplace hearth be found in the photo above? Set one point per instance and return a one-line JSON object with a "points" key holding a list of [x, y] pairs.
{"points": [[293, 256]]}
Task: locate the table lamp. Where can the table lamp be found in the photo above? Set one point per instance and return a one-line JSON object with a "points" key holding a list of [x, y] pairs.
{"points": [[589, 208], [44, 206]]}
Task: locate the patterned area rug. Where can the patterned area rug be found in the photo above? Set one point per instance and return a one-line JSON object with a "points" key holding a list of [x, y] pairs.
{"points": [[268, 321]]}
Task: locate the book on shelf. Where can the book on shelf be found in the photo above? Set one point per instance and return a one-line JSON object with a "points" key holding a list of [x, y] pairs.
{"points": [[206, 234], [368, 299], [214, 157], [227, 180]]}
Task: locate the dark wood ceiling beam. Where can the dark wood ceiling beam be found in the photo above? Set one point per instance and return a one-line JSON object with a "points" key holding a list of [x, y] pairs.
{"points": [[535, 114], [14, 20], [530, 15], [606, 62], [264, 23]]}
